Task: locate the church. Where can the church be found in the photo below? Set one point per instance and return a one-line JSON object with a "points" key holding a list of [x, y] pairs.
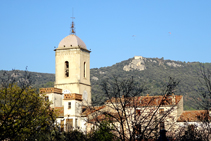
{"points": [[72, 87]]}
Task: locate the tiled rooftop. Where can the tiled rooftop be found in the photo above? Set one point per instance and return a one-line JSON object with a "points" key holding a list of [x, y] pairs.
{"points": [[148, 100], [73, 96], [50, 90], [108, 116], [90, 110], [157, 100], [194, 116]]}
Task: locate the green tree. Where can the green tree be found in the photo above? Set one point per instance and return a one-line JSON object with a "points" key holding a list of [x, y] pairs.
{"points": [[23, 112], [103, 133]]}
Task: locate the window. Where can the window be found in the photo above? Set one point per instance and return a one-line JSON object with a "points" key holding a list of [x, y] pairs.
{"points": [[84, 69], [161, 111], [66, 68], [69, 105], [46, 98], [67, 64]]}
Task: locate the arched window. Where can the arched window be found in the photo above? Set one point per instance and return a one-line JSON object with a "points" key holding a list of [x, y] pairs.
{"points": [[66, 68], [84, 69]]}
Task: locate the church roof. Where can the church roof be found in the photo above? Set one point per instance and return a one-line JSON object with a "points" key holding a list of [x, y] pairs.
{"points": [[71, 41]]}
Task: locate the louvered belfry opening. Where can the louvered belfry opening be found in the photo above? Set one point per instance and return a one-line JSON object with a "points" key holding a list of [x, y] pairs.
{"points": [[66, 68]]}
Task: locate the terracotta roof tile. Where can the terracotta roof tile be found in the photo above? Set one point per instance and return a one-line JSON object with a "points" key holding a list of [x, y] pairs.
{"points": [[106, 116], [50, 90], [73, 96], [157, 100], [90, 110], [147, 100], [194, 116], [119, 99]]}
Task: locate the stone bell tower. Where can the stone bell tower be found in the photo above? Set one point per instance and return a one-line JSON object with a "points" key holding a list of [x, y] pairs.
{"points": [[73, 67]]}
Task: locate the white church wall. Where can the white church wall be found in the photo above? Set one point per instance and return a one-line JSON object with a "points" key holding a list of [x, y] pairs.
{"points": [[83, 123], [84, 58], [73, 57], [67, 110], [75, 109], [57, 100]]}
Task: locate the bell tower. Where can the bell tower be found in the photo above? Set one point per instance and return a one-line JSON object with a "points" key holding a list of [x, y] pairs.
{"points": [[73, 67]]}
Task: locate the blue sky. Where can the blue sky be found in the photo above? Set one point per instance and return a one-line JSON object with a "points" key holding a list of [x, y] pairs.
{"points": [[114, 30]]}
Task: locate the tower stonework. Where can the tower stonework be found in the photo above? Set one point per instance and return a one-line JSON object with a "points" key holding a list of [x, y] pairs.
{"points": [[73, 68]]}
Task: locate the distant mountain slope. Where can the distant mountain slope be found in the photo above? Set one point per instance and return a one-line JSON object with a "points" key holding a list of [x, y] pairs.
{"points": [[39, 80], [153, 72]]}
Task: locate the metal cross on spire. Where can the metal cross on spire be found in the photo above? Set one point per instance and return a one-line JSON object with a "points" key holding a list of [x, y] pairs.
{"points": [[72, 26]]}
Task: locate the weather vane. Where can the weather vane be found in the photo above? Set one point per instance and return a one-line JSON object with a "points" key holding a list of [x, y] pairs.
{"points": [[72, 26]]}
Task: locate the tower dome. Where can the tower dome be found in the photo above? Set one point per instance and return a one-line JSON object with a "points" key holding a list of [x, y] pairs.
{"points": [[71, 41]]}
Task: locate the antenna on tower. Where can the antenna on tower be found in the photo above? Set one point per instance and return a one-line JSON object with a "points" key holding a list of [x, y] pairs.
{"points": [[72, 26]]}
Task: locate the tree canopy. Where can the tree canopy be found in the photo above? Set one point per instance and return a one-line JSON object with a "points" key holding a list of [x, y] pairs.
{"points": [[23, 112]]}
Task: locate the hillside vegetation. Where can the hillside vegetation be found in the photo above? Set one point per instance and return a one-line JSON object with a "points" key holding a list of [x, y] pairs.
{"points": [[151, 72]]}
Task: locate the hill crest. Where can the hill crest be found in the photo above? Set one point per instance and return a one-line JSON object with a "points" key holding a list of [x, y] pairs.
{"points": [[152, 72]]}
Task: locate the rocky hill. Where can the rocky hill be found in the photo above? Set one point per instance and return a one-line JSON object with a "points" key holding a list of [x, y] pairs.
{"points": [[152, 72]]}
